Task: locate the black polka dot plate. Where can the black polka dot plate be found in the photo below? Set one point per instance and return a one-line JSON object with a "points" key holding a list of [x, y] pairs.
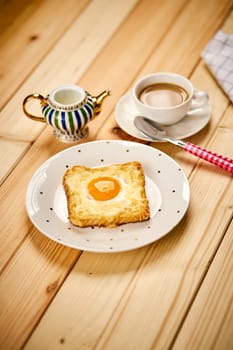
{"points": [[167, 189]]}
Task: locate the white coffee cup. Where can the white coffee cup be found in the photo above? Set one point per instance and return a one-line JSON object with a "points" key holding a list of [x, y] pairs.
{"points": [[166, 97]]}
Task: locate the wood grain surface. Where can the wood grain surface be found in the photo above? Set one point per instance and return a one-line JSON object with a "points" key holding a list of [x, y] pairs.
{"points": [[173, 294]]}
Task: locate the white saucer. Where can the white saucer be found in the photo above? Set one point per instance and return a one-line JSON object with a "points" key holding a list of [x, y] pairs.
{"points": [[125, 112]]}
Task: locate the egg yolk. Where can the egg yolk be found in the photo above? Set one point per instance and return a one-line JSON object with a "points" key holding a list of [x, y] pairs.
{"points": [[104, 188]]}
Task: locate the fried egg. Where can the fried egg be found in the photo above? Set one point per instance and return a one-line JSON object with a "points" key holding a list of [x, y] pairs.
{"points": [[104, 188]]}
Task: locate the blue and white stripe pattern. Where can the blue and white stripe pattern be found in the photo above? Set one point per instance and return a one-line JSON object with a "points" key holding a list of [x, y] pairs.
{"points": [[69, 121]]}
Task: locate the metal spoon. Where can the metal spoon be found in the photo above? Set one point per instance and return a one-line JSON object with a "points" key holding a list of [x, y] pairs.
{"points": [[155, 131]]}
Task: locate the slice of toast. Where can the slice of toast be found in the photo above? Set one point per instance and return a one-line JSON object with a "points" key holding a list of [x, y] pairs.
{"points": [[106, 196]]}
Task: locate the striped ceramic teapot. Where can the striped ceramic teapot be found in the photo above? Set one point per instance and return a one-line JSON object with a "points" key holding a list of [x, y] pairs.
{"points": [[67, 109]]}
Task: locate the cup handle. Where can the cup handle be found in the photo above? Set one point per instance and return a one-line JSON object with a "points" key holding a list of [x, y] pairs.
{"points": [[199, 100], [36, 97]]}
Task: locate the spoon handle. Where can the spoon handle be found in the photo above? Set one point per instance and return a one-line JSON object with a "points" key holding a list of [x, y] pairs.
{"points": [[214, 158]]}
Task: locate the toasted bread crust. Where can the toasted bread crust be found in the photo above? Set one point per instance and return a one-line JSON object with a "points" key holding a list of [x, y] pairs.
{"points": [[131, 205]]}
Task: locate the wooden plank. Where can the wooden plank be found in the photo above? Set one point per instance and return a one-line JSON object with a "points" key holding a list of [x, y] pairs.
{"points": [[66, 63], [160, 287], [16, 227], [9, 152], [213, 307], [10, 11], [33, 25], [47, 259], [94, 272], [228, 25], [190, 36]]}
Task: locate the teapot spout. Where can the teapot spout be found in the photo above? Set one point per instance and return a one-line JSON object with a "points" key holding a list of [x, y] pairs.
{"points": [[98, 100]]}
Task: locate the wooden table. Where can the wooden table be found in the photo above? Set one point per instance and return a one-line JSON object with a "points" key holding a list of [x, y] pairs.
{"points": [[175, 293]]}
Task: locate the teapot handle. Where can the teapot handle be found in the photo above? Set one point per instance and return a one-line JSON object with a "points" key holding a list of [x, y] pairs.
{"points": [[36, 97]]}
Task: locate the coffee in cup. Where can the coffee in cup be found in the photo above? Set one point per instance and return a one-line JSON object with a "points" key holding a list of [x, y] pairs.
{"points": [[164, 97]]}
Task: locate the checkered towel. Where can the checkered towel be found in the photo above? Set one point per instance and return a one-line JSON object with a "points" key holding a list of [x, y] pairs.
{"points": [[218, 56]]}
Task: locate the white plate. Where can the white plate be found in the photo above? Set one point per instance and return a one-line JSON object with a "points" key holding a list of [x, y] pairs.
{"points": [[167, 189], [125, 112]]}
